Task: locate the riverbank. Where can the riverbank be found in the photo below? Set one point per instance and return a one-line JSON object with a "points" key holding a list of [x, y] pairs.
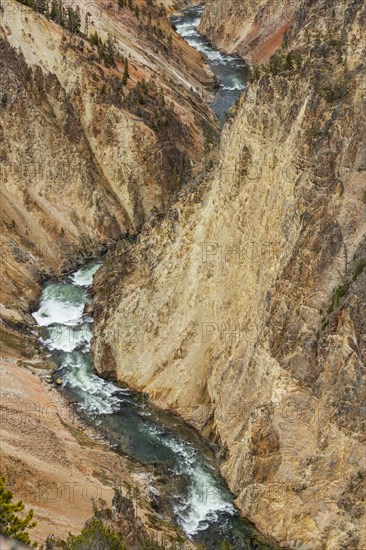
{"points": [[57, 464], [230, 71]]}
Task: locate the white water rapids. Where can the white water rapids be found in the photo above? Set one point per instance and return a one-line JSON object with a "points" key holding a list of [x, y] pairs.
{"points": [[66, 333]]}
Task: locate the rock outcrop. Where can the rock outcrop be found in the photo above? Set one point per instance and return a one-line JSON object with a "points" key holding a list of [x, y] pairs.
{"points": [[252, 29], [243, 309], [87, 152]]}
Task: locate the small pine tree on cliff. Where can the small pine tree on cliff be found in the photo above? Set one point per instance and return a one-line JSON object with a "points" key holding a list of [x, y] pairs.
{"points": [[125, 73], [11, 524]]}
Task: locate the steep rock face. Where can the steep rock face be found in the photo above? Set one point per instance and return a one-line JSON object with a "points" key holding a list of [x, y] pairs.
{"points": [[244, 308], [84, 156], [254, 30], [55, 198]]}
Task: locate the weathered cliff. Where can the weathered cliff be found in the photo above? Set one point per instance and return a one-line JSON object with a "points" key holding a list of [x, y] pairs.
{"points": [[254, 30], [243, 309], [86, 150]]}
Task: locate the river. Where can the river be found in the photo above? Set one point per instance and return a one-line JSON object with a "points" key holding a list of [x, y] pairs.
{"points": [[230, 71], [196, 496]]}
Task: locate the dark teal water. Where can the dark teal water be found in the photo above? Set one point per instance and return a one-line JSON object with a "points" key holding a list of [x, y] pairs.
{"points": [[230, 71]]}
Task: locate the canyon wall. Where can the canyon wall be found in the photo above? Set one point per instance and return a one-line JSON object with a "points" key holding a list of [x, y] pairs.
{"points": [[252, 29], [86, 156], [243, 308]]}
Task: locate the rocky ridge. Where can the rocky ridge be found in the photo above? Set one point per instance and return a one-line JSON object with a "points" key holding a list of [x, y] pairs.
{"points": [[85, 156]]}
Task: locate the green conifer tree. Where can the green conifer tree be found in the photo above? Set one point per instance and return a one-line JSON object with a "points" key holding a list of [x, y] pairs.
{"points": [[11, 524], [125, 73]]}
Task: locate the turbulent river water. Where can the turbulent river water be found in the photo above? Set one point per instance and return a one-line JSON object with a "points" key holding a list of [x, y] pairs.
{"points": [[195, 495], [230, 71]]}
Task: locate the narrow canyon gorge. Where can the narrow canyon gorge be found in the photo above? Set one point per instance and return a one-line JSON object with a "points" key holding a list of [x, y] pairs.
{"points": [[226, 304]]}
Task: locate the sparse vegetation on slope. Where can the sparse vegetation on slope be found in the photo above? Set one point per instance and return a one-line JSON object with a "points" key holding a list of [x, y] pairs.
{"points": [[115, 528]]}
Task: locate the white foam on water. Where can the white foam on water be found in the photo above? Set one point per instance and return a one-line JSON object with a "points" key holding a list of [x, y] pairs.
{"points": [[68, 338], [97, 396], [61, 310], [53, 311], [62, 304], [190, 31], [84, 276], [205, 499], [212, 55], [234, 88], [191, 24], [182, 28]]}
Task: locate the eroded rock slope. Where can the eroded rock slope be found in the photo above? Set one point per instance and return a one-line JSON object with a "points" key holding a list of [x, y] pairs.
{"points": [[97, 128]]}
